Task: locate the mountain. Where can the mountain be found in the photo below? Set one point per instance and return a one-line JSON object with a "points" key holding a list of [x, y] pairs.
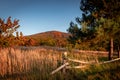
{"points": [[52, 34], [54, 38]]}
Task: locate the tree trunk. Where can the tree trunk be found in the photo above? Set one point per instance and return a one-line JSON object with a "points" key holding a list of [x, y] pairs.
{"points": [[111, 49]]}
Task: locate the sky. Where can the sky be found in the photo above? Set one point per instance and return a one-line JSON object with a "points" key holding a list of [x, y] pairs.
{"points": [[37, 16]]}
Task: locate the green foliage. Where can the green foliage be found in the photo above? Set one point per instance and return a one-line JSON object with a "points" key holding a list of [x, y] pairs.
{"points": [[105, 18], [98, 24], [79, 35], [47, 42], [107, 28]]}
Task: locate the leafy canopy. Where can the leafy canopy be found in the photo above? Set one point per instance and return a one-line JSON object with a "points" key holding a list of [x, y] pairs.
{"points": [[100, 21]]}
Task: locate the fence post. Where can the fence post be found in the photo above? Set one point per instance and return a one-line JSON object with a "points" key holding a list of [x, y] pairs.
{"points": [[64, 56]]}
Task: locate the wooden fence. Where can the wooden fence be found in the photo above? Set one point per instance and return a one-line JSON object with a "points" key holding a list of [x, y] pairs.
{"points": [[66, 64]]}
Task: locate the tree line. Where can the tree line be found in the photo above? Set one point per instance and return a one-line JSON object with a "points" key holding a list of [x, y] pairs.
{"points": [[99, 26]]}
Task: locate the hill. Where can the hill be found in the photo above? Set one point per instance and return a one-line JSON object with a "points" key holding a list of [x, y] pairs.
{"points": [[50, 38], [52, 34]]}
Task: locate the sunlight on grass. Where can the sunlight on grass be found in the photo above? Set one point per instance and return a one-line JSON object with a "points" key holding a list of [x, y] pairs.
{"points": [[38, 63]]}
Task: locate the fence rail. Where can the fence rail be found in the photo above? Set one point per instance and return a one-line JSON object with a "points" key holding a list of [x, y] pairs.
{"points": [[67, 65]]}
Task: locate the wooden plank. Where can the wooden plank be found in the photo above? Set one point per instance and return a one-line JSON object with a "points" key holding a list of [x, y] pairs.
{"points": [[109, 61], [69, 67], [82, 62], [106, 62], [59, 68]]}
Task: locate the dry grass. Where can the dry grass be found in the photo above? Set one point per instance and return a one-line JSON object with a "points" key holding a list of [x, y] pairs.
{"points": [[37, 63], [17, 61]]}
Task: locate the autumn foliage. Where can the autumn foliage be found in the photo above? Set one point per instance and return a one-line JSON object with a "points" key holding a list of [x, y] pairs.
{"points": [[50, 38], [7, 36], [7, 28], [10, 37]]}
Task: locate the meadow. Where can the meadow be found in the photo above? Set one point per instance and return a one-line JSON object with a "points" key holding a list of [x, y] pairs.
{"points": [[36, 63]]}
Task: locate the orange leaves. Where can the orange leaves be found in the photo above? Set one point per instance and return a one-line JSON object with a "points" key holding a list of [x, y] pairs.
{"points": [[8, 27], [9, 22]]}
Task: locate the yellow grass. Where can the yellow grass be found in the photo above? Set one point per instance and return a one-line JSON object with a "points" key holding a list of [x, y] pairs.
{"points": [[39, 61], [14, 61]]}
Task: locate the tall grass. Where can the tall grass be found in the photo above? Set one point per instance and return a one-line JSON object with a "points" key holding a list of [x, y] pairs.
{"points": [[38, 63]]}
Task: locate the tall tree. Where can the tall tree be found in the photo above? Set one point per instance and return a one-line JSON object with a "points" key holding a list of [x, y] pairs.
{"points": [[109, 29], [108, 9], [101, 15]]}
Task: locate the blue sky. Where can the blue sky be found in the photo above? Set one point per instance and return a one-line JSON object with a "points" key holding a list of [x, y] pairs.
{"points": [[41, 15]]}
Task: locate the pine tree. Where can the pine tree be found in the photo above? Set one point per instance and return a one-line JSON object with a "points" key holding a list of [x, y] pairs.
{"points": [[100, 19]]}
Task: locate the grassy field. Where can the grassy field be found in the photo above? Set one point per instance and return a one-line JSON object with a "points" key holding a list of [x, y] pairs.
{"points": [[35, 63]]}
